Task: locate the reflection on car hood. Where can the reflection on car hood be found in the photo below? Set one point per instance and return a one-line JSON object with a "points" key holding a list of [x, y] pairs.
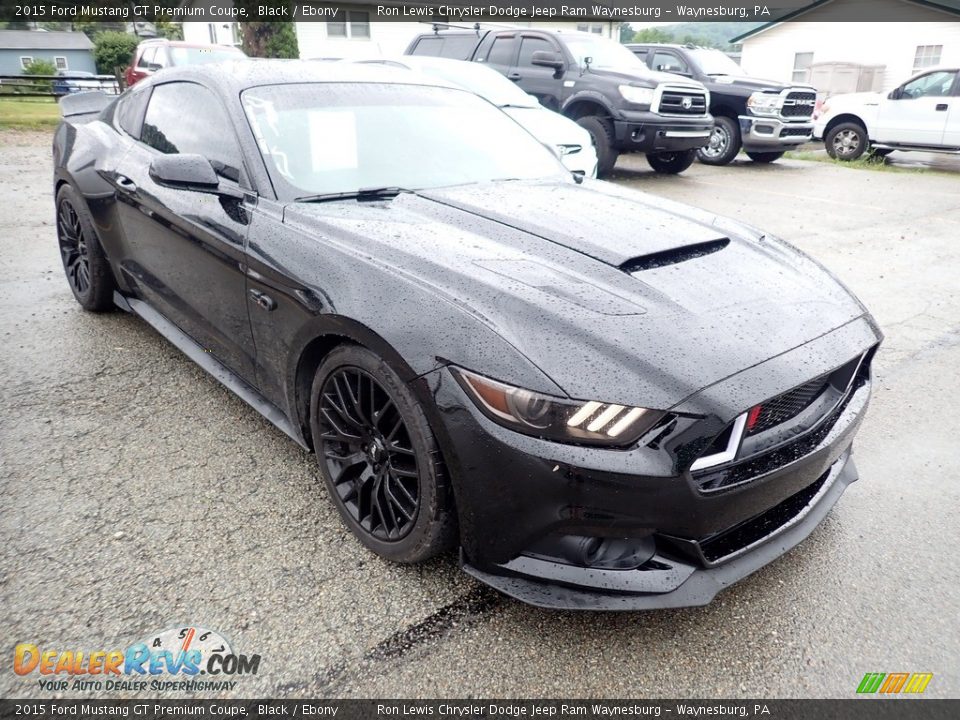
{"points": [[564, 273], [550, 127]]}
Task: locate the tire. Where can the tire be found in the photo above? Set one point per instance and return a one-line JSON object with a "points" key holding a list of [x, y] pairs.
{"points": [[671, 162], [764, 157], [384, 472], [846, 141], [724, 142], [601, 130], [84, 262]]}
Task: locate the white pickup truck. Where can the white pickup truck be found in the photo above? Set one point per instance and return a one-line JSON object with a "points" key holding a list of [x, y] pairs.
{"points": [[922, 114]]}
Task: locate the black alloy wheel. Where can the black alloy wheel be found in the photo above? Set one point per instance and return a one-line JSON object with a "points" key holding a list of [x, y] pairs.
{"points": [[73, 248], [379, 458], [86, 267]]}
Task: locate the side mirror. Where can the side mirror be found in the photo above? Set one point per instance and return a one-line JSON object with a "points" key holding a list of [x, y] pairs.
{"points": [[187, 172], [895, 94], [546, 58]]}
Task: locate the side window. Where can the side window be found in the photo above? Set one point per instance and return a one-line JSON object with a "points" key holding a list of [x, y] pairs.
{"points": [[187, 118], [935, 84], [641, 53], [130, 109], [146, 57], [530, 45], [501, 52], [668, 62], [161, 58]]}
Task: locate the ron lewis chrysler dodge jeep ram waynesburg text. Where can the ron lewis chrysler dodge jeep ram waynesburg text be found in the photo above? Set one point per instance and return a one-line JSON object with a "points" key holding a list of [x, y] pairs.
{"points": [[603, 398]]}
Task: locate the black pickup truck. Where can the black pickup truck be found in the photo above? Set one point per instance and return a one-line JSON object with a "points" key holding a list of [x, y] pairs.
{"points": [[594, 81], [763, 117]]}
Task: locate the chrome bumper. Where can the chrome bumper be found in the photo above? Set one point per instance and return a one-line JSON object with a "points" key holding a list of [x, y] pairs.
{"points": [[766, 133]]}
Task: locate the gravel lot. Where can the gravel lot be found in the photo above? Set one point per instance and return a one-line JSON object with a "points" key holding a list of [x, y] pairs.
{"points": [[139, 495]]}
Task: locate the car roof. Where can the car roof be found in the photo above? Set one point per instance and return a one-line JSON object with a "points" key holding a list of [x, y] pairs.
{"points": [[234, 76]]}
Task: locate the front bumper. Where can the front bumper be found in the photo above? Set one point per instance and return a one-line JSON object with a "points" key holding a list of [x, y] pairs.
{"points": [[649, 132], [771, 134], [517, 495]]}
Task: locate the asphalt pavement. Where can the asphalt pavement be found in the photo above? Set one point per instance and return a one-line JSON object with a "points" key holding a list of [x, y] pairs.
{"points": [[138, 495]]}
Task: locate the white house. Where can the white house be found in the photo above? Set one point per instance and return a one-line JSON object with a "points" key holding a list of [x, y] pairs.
{"points": [[356, 32], [788, 50]]}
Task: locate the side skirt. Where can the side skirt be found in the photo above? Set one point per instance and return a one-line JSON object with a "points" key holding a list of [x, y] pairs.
{"points": [[185, 344]]}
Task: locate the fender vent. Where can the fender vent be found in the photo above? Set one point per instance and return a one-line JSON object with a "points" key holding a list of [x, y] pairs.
{"points": [[673, 255]]}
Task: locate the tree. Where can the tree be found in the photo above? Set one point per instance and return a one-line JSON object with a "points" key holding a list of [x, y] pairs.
{"points": [[40, 66], [270, 39], [169, 30], [113, 51], [652, 35]]}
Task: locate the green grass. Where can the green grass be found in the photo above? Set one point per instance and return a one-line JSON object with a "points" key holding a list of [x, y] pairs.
{"points": [[864, 162], [28, 113]]}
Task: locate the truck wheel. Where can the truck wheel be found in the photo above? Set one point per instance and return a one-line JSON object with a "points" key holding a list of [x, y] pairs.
{"points": [[601, 131], [724, 142], [764, 157], [671, 162], [846, 141]]}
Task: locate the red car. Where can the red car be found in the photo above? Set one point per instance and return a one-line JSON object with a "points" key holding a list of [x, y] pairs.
{"points": [[153, 55]]}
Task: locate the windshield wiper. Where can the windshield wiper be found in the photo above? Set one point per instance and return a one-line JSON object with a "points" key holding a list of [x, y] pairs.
{"points": [[370, 193]]}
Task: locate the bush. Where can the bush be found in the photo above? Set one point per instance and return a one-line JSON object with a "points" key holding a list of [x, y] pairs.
{"points": [[113, 51], [40, 67]]}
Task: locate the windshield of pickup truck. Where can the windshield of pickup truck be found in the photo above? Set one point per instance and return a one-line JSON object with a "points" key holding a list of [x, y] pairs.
{"points": [[603, 53], [325, 138], [714, 62]]}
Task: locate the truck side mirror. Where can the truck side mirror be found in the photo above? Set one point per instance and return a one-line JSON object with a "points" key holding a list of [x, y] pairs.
{"points": [[895, 94], [546, 58]]}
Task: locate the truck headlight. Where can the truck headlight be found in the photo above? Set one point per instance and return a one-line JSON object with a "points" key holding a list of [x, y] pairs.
{"points": [[558, 419], [764, 104], [636, 95]]}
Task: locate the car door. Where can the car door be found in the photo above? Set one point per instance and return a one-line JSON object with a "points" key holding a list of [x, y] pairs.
{"points": [[916, 113], [184, 250], [951, 135], [499, 51], [545, 83]]}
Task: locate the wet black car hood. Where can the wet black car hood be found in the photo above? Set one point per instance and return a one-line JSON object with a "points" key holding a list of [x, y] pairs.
{"points": [[616, 296]]}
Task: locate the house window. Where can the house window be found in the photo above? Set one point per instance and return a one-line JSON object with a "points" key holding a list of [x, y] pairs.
{"points": [[596, 28], [212, 33], [25, 60], [926, 56], [357, 25], [801, 66], [60, 62]]}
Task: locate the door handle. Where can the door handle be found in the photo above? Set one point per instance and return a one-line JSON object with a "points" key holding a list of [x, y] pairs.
{"points": [[941, 107], [125, 183], [263, 300], [514, 76]]}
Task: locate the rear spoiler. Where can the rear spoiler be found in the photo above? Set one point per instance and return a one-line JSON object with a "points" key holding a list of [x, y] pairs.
{"points": [[84, 103]]}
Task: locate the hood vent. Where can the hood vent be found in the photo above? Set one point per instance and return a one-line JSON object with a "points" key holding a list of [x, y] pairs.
{"points": [[673, 255]]}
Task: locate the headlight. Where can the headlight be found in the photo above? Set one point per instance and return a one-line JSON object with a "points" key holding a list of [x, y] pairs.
{"points": [[637, 95], [764, 104], [553, 418]]}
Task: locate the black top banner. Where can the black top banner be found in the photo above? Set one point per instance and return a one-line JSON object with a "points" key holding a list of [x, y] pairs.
{"points": [[452, 11]]}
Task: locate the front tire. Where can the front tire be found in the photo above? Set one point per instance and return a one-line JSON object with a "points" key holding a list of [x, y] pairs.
{"points": [[846, 141], [379, 458], [84, 262], [764, 157], [671, 163], [601, 130], [724, 142]]}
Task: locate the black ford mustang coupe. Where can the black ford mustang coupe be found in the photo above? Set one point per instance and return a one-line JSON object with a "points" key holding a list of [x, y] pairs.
{"points": [[605, 399]]}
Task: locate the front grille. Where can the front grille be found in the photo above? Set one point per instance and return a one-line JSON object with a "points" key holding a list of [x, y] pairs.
{"points": [[786, 406], [760, 526], [678, 102], [798, 104], [795, 132]]}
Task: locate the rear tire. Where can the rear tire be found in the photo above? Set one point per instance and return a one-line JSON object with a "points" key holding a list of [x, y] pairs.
{"points": [[601, 130], [671, 163], [84, 262], [379, 458], [764, 157], [846, 141], [724, 142]]}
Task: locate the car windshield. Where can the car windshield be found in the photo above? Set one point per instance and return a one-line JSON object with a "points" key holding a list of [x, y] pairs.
{"points": [[714, 62], [484, 81], [201, 56], [603, 53], [326, 138]]}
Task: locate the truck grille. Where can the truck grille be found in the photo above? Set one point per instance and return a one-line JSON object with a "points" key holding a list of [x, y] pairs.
{"points": [[682, 102], [795, 132], [798, 104]]}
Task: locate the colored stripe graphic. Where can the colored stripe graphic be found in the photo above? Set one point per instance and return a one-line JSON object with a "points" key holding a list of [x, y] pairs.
{"points": [[871, 682], [893, 683], [918, 682]]}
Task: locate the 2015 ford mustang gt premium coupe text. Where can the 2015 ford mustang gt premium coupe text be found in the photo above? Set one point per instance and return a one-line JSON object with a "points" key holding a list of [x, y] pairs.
{"points": [[605, 399]]}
